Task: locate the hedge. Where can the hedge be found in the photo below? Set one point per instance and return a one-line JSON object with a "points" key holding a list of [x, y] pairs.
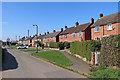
{"points": [[110, 51], [54, 45], [84, 48], [67, 45]]}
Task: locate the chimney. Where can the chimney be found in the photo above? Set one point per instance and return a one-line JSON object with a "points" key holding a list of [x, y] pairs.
{"points": [[61, 29], [39, 34], [100, 15], [92, 20], [76, 24], [65, 27], [53, 30], [47, 32]]}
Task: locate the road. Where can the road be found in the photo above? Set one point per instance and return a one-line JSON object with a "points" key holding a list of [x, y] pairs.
{"points": [[19, 64]]}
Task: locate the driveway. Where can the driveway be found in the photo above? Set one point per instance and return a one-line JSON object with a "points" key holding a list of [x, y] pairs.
{"points": [[19, 64]]}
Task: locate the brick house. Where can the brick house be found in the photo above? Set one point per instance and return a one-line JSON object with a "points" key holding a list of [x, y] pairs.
{"points": [[25, 42], [21, 40], [105, 26], [77, 32], [51, 37]]}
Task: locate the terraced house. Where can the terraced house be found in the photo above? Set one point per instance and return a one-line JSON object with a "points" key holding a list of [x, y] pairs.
{"points": [[105, 26], [21, 41], [77, 33], [51, 37]]}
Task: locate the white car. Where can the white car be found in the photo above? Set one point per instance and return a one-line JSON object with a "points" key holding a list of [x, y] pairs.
{"points": [[22, 47]]}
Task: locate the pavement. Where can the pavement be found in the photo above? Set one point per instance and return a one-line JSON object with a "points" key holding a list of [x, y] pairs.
{"points": [[19, 64], [78, 64]]}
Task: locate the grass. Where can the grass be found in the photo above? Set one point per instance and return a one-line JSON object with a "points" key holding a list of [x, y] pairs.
{"points": [[107, 72], [31, 49], [55, 57], [14, 46]]}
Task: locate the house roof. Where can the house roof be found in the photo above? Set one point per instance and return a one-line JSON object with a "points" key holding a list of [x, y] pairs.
{"points": [[112, 18], [22, 39], [74, 29], [40, 36], [54, 34]]}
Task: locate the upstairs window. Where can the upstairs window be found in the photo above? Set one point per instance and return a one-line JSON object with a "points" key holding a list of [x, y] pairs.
{"points": [[65, 35], [73, 34], [61, 36], [79, 34], [97, 28], [109, 26], [53, 38]]}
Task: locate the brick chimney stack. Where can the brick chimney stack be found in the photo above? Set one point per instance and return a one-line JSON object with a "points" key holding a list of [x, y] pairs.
{"points": [[53, 31], [65, 27], [100, 15], [47, 32], [61, 29], [92, 20], [76, 24]]}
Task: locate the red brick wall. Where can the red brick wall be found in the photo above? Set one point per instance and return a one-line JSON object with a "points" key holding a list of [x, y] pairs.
{"points": [[104, 31], [48, 40]]}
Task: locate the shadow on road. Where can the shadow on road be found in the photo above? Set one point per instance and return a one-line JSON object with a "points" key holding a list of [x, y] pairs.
{"points": [[9, 61]]}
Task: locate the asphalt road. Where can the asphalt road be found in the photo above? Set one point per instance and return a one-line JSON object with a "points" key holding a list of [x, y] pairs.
{"points": [[19, 64]]}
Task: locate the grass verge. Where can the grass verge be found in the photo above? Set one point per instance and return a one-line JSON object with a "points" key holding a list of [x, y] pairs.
{"points": [[31, 49], [13, 46]]}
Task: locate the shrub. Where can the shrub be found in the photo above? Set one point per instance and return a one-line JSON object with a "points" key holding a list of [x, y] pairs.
{"points": [[84, 48], [110, 51], [54, 45], [67, 45], [61, 45], [105, 73]]}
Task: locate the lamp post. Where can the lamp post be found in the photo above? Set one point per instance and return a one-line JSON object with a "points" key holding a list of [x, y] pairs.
{"points": [[37, 37]]}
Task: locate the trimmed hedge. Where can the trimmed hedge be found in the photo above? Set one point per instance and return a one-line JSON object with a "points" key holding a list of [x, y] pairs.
{"points": [[110, 51], [54, 44], [67, 45], [84, 48]]}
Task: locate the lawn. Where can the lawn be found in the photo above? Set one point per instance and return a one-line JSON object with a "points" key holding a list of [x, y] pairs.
{"points": [[31, 49], [14, 46], [55, 57]]}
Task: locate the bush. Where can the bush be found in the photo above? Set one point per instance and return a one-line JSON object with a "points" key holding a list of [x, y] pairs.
{"points": [[84, 48], [61, 45], [54, 45], [105, 73], [67, 45], [110, 51]]}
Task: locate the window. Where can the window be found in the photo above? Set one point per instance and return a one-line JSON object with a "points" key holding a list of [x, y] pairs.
{"points": [[97, 38], [73, 34], [79, 34], [53, 38], [50, 38], [65, 35], [44, 39], [109, 26], [97, 29], [61, 36]]}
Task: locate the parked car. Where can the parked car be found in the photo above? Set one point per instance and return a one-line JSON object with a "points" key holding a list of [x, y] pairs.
{"points": [[22, 47]]}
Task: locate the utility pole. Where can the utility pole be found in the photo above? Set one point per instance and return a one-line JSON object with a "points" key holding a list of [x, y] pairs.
{"points": [[28, 32]]}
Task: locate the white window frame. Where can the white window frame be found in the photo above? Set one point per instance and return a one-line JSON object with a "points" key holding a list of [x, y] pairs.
{"points": [[65, 36], [53, 38], [109, 26], [96, 28], [73, 34], [49, 38], [61, 36], [79, 34], [97, 38]]}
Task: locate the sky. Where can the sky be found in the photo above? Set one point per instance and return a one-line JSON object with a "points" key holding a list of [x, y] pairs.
{"points": [[18, 17]]}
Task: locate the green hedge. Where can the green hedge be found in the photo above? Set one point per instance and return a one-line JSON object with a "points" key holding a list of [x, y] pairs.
{"points": [[67, 45], [110, 51], [84, 48], [54, 45]]}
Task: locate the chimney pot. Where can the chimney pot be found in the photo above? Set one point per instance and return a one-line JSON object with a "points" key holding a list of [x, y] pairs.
{"points": [[47, 32], [100, 15], [65, 27], [76, 24], [53, 30], [61, 29], [39, 34], [92, 20]]}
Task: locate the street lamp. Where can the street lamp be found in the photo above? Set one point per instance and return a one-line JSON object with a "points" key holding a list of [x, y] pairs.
{"points": [[37, 37]]}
